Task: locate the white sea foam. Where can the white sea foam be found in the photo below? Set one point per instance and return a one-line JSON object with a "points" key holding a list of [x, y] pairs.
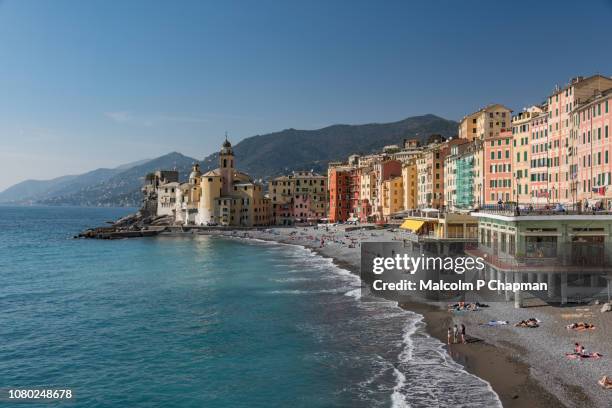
{"points": [[434, 375], [398, 400], [354, 293]]}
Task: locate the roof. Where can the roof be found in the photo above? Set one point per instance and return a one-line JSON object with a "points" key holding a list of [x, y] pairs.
{"points": [[212, 173]]}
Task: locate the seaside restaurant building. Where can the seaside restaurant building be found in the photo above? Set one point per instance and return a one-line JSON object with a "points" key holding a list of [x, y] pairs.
{"points": [[571, 251], [434, 232]]}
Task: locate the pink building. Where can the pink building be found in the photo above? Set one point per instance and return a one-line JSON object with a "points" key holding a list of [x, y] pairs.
{"points": [[593, 166], [563, 140], [498, 176], [538, 144]]}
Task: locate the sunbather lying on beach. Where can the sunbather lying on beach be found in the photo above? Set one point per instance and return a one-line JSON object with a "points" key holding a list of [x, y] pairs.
{"points": [[496, 323], [471, 307], [580, 326], [529, 323], [606, 382]]}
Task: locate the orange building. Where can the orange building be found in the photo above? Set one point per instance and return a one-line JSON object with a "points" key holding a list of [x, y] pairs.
{"points": [[339, 193]]}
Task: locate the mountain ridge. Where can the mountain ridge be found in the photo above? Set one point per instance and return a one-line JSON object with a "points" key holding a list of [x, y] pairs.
{"points": [[262, 156]]}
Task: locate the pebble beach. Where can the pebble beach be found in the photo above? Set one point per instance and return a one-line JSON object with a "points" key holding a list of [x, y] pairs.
{"points": [[542, 375]]}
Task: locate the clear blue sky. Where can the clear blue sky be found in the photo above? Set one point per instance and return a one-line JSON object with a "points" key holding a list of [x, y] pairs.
{"points": [[87, 84]]}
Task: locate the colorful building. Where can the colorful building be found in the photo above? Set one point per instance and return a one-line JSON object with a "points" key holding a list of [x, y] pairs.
{"points": [[409, 182], [498, 180], [298, 198], [393, 197], [339, 180], [223, 196], [539, 161], [564, 142], [592, 169], [384, 169], [430, 176], [486, 122], [521, 157]]}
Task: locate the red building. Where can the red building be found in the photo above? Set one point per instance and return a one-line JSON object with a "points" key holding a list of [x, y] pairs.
{"points": [[339, 194]]}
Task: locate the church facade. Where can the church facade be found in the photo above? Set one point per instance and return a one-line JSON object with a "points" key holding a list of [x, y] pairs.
{"points": [[223, 196]]}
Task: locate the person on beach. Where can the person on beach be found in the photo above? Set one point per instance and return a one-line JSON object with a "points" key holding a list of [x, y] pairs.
{"points": [[577, 348], [455, 332], [606, 382], [450, 333], [463, 333]]}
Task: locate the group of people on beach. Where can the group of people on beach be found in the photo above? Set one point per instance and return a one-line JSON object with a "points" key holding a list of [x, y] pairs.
{"points": [[580, 352], [454, 334], [530, 323], [580, 326]]}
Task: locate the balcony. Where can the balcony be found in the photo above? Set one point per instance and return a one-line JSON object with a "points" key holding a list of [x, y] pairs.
{"points": [[553, 210]]}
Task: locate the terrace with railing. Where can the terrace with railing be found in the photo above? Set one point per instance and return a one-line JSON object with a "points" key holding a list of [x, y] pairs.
{"points": [[553, 209]]}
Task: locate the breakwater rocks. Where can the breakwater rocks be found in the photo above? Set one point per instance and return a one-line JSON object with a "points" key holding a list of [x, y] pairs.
{"points": [[131, 226]]}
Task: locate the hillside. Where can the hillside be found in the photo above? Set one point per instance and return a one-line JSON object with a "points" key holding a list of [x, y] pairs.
{"points": [[261, 156], [121, 189], [268, 155]]}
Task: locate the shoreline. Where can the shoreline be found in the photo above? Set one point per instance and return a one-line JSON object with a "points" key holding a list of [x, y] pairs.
{"points": [[511, 379]]}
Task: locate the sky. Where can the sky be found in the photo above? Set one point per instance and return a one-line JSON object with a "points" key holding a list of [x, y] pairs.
{"points": [[88, 84]]}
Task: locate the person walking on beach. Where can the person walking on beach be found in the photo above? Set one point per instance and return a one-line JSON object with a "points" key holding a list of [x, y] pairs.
{"points": [[455, 332], [450, 333], [462, 333]]}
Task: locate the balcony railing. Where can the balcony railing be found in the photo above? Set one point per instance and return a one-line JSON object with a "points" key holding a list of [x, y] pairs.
{"points": [[513, 209]]}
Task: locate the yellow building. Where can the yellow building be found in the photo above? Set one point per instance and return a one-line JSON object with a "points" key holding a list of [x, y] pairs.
{"points": [[486, 122], [230, 197], [223, 196], [521, 159], [393, 196], [298, 197], [409, 182], [430, 176]]}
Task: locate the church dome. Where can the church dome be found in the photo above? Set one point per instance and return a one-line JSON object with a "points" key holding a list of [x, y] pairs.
{"points": [[195, 171]]}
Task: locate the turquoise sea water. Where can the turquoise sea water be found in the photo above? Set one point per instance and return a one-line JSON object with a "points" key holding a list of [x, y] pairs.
{"points": [[204, 322]]}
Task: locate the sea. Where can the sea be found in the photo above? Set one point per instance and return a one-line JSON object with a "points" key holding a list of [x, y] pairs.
{"points": [[204, 322]]}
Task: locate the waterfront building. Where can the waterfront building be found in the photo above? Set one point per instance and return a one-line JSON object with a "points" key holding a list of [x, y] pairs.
{"points": [[150, 189], [393, 197], [166, 199], [339, 177], [230, 197], [442, 229], [188, 197], [430, 176], [384, 169], [456, 148], [539, 161], [488, 121], [563, 139], [498, 168], [468, 183], [410, 186], [223, 196], [569, 251], [521, 157], [592, 167], [297, 198]]}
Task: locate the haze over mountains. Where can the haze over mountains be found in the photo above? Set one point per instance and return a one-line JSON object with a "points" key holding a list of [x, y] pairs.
{"points": [[262, 156]]}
